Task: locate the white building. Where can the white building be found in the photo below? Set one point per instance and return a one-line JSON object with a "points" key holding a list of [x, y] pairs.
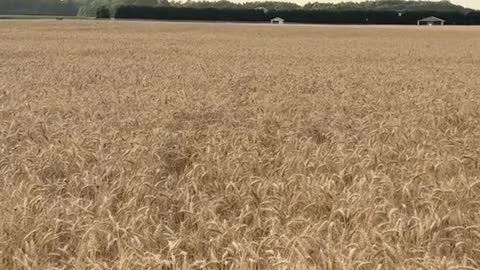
{"points": [[431, 21], [277, 20]]}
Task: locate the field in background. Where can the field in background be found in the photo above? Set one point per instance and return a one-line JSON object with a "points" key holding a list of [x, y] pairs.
{"points": [[137, 145]]}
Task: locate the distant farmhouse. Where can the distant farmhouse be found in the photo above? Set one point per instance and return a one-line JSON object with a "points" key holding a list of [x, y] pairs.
{"points": [[431, 21], [277, 20]]}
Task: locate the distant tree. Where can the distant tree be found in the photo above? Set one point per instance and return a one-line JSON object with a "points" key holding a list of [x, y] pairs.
{"points": [[103, 13], [146, 2], [163, 3], [272, 5], [389, 5], [38, 7], [89, 7], [293, 15]]}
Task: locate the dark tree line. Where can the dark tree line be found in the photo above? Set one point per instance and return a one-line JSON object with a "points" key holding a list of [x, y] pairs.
{"points": [[388, 5], [224, 4], [176, 13], [38, 7], [90, 7], [295, 15]]}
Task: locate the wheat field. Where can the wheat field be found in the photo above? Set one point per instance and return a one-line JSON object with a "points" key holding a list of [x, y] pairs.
{"points": [[148, 145]]}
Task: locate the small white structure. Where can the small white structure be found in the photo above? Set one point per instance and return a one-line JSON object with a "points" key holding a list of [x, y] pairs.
{"points": [[431, 21], [265, 10], [277, 20]]}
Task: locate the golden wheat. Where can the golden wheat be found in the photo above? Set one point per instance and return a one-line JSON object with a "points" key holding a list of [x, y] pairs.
{"points": [[142, 145]]}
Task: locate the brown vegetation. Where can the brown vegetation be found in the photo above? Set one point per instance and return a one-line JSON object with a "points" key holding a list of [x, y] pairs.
{"points": [[140, 145]]}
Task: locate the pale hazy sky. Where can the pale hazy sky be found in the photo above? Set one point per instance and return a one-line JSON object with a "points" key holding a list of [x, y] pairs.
{"points": [[466, 3]]}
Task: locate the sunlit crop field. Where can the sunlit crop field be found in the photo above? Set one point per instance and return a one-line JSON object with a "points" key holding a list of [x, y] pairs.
{"points": [[148, 145]]}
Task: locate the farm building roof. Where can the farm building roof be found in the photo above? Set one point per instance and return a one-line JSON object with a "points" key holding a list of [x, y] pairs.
{"points": [[431, 19]]}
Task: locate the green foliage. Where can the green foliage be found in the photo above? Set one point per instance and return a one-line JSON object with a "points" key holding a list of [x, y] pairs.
{"points": [[90, 7], [293, 15], [38, 7], [225, 4], [272, 5], [389, 5], [187, 13], [103, 13]]}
